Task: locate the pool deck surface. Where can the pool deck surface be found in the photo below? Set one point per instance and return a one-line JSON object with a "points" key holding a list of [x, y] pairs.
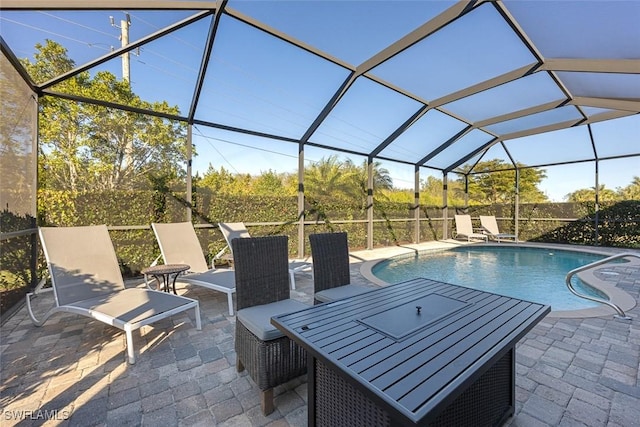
{"points": [[570, 371]]}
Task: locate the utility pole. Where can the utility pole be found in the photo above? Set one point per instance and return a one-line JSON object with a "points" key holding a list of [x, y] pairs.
{"points": [[124, 40], [126, 76]]}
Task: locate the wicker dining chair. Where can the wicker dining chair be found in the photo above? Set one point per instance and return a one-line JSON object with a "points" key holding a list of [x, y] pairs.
{"points": [[262, 291], [331, 276]]}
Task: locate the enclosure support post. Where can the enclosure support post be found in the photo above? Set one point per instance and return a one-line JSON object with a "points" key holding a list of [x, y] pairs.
{"points": [[466, 193], [516, 207], [445, 208], [597, 207], [597, 184], [301, 216], [369, 202], [416, 205], [189, 152]]}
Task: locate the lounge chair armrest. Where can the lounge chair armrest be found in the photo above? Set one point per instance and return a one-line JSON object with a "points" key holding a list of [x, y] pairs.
{"points": [[218, 255]]}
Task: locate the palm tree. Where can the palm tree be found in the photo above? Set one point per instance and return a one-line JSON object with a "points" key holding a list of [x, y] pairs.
{"points": [[632, 191], [328, 178], [345, 180], [589, 195], [381, 178]]}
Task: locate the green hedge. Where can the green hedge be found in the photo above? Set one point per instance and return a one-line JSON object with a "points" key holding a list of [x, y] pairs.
{"points": [[618, 225]]}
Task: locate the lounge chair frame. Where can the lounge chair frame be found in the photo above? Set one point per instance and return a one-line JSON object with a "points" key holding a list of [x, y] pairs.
{"points": [[464, 228], [179, 244], [490, 228], [71, 273]]}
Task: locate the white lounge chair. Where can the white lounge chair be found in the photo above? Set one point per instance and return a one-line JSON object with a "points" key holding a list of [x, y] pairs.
{"points": [[235, 230], [86, 280], [464, 228], [490, 226], [179, 244]]}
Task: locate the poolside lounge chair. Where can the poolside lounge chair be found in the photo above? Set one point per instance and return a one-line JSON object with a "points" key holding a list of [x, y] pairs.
{"points": [[269, 356], [490, 226], [179, 244], [331, 276], [86, 280], [235, 230], [464, 228]]}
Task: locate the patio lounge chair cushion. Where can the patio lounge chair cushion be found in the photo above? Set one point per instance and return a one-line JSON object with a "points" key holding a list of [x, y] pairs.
{"points": [[257, 319], [339, 292]]}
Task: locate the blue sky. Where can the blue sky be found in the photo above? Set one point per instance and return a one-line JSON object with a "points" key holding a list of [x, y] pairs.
{"points": [[264, 84]]}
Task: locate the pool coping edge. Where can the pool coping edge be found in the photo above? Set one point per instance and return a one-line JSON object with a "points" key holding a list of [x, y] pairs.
{"points": [[616, 295]]}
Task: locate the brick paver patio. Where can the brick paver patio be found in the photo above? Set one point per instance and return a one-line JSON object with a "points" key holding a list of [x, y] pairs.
{"points": [[72, 371]]}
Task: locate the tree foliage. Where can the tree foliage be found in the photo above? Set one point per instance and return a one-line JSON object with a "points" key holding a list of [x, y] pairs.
{"points": [[330, 177], [337, 179], [431, 192], [269, 183], [490, 182], [89, 147], [224, 182], [630, 192]]}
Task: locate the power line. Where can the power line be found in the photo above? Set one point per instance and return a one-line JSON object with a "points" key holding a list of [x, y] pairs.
{"points": [[207, 138], [77, 24], [47, 31], [155, 27], [237, 144]]}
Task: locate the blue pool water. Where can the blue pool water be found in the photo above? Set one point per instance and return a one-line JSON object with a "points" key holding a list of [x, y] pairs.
{"points": [[532, 274]]}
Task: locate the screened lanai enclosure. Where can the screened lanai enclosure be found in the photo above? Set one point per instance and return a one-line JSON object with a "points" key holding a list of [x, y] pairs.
{"points": [[130, 112]]}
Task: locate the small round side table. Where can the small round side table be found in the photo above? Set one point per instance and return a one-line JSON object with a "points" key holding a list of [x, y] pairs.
{"points": [[163, 274]]}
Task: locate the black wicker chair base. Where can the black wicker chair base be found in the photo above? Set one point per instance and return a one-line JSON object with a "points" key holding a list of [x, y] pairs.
{"points": [[269, 363], [486, 402]]}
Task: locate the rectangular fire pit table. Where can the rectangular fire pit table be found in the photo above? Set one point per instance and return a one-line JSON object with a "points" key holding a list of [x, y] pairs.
{"points": [[420, 352]]}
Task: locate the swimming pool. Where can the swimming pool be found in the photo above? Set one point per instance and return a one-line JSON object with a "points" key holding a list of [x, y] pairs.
{"points": [[533, 274]]}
